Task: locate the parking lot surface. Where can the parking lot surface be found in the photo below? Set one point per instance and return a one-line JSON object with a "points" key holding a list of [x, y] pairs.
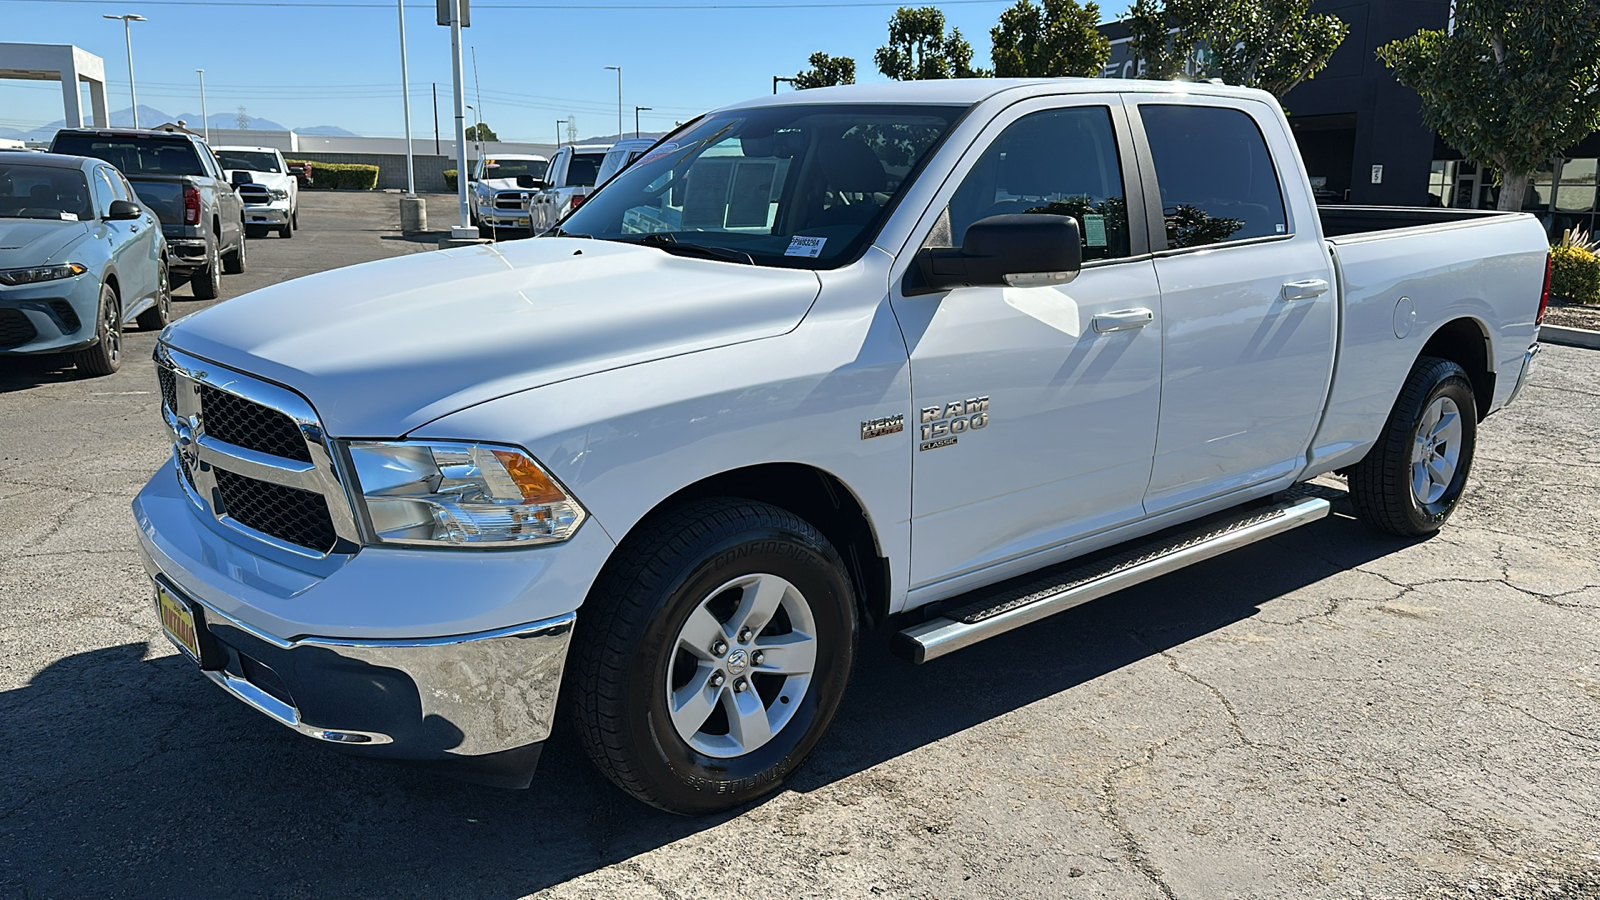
{"points": [[1329, 714]]}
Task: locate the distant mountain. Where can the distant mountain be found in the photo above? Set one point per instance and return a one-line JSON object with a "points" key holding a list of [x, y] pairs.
{"points": [[150, 116], [327, 131]]}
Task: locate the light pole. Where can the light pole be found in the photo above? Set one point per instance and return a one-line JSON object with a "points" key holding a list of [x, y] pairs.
{"points": [[778, 78], [127, 34], [619, 99], [405, 100], [636, 111], [205, 120], [465, 229], [478, 129]]}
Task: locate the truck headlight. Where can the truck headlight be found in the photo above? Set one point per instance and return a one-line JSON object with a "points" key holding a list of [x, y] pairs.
{"points": [[455, 494], [36, 274], [278, 193]]}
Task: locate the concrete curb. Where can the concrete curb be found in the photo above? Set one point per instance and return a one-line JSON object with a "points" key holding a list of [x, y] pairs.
{"points": [[1571, 337]]}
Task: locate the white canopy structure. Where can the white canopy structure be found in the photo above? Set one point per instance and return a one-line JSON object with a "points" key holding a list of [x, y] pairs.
{"points": [[67, 64]]}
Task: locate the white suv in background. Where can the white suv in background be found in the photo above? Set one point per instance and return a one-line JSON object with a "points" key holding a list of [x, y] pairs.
{"points": [[272, 195], [620, 154]]}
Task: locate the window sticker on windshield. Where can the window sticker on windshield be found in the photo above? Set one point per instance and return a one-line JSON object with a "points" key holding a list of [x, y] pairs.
{"points": [[1094, 230], [802, 245], [69, 217]]}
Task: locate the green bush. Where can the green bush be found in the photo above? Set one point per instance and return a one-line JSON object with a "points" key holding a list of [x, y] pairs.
{"points": [[1574, 274], [343, 176], [450, 179]]}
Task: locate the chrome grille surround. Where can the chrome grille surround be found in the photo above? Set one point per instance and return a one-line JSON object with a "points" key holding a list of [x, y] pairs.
{"points": [[197, 455], [511, 200]]}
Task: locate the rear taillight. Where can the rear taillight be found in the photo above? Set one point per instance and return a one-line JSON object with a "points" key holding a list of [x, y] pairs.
{"points": [[1544, 293], [577, 200], [191, 206]]}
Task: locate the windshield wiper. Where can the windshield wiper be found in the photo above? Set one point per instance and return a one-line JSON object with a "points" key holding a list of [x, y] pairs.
{"points": [[665, 241], [562, 232]]}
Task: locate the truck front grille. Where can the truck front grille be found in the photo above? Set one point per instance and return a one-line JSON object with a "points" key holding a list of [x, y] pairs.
{"points": [[510, 200], [252, 454], [254, 196], [286, 513], [15, 329], [252, 426]]}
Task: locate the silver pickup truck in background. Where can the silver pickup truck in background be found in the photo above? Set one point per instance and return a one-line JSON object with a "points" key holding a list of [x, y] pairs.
{"points": [[942, 357]]}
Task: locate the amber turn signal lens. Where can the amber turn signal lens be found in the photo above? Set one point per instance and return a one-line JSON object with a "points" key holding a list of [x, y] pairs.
{"points": [[535, 485]]}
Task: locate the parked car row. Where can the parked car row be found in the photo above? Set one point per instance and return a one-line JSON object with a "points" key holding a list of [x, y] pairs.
{"points": [[529, 193]]}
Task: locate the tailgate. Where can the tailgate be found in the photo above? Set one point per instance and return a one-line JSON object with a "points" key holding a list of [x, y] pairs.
{"points": [[164, 198]]}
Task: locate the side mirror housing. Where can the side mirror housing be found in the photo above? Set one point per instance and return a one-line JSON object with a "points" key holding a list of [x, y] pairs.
{"points": [[124, 210], [1021, 250], [529, 181], [239, 177]]}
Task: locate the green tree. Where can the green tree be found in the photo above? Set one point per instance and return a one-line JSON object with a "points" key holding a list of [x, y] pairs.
{"points": [[1268, 44], [1058, 39], [826, 71], [919, 49], [481, 132], [1514, 84]]}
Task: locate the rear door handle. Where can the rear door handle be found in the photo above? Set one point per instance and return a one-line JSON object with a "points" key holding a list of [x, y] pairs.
{"points": [[1305, 290], [1123, 320]]}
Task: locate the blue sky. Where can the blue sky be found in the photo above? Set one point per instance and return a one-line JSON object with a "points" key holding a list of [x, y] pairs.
{"points": [[325, 65]]}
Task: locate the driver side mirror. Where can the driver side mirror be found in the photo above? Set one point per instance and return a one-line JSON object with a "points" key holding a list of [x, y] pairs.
{"points": [[1019, 250], [239, 178], [528, 181], [124, 210]]}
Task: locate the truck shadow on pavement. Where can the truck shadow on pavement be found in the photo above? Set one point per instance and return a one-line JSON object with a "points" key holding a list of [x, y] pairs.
{"points": [[123, 775]]}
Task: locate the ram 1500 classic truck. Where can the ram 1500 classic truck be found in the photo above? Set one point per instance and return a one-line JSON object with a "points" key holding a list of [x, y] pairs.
{"points": [[501, 186], [269, 191], [178, 178], [944, 357]]}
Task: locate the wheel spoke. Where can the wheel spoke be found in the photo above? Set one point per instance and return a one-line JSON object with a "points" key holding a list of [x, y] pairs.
{"points": [[1421, 481], [748, 724], [794, 653], [1448, 426], [1441, 470], [700, 632], [693, 703], [759, 604]]}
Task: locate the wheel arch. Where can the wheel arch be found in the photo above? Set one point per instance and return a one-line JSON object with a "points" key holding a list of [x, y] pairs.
{"points": [[815, 495], [1466, 342]]}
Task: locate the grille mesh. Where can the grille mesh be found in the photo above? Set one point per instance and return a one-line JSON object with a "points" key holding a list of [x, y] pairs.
{"points": [[15, 329], [169, 388], [288, 514], [250, 425]]}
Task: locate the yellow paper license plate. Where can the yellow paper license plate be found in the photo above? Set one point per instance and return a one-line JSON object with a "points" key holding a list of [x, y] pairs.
{"points": [[522, 221], [177, 620]]}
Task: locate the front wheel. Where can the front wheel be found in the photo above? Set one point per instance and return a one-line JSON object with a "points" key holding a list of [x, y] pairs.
{"points": [[713, 654], [1411, 480], [105, 356]]}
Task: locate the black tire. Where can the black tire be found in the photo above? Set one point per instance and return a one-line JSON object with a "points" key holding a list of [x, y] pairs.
{"points": [[105, 357], [157, 317], [294, 217], [1383, 485], [628, 644], [233, 263], [207, 282], [484, 231], [256, 231], [287, 230]]}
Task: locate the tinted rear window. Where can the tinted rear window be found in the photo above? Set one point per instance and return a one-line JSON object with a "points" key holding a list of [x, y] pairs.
{"points": [[583, 168], [1216, 175], [134, 154]]}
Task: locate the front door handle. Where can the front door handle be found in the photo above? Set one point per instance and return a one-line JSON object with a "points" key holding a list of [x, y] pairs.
{"points": [[1123, 320], [1305, 290]]}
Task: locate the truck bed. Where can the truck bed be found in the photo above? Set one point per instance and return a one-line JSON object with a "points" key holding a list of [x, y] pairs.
{"points": [[1355, 221]]}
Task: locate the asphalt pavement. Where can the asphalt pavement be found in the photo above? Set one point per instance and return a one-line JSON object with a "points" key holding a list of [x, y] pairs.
{"points": [[1328, 714]]}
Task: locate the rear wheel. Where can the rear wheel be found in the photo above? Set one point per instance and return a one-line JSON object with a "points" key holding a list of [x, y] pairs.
{"points": [[713, 654], [156, 317], [105, 356], [1412, 479], [207, 282], [233, 263]]}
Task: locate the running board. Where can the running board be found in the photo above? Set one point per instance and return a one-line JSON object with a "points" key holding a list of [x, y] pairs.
{"points": [[996, 611]]}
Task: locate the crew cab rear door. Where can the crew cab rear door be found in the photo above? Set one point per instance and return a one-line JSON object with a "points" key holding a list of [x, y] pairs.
{"points": [[1249, 308], [1034, 407]]}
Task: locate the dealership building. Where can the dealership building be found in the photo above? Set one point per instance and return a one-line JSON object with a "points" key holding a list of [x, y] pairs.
{"points": [[1362, 136]]}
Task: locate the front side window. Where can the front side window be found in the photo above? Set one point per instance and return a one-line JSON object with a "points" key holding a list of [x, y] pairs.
{"points": [[790, 186], [1216, 175], [251, 160], [1060, 162], [103, 193]]}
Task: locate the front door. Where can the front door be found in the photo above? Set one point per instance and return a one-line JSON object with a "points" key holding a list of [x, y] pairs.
{"points": [[1247, 298], [1034, 407]]}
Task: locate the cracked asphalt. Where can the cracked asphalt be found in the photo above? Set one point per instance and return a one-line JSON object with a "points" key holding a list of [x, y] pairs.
{"points": [[1329, 714]]}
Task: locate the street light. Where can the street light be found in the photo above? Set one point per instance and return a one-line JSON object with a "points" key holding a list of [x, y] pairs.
{"points": [[559, 123], [127, 34], [619, 99], [636, 111], [205, 120], [778, 78]]}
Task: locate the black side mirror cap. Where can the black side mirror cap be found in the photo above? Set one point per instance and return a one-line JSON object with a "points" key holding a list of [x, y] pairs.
{"points": [[123, 210], [1019, 250], [528, 181], [240, 177]]}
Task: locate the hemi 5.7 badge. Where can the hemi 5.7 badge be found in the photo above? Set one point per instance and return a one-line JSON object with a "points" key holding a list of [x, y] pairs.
{"points": [[883, 426], [941, 424]]}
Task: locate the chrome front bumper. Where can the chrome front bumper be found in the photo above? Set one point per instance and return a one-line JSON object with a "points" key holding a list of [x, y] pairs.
{"points": [[262, 214]]}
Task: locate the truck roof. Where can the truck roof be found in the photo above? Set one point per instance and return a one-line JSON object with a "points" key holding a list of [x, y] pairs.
{"points": [[243, 147], [967, 91]]}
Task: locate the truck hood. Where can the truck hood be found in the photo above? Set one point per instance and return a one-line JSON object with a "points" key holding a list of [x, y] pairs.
{"points": [[382, 348], [32, 242], [270, 179]]}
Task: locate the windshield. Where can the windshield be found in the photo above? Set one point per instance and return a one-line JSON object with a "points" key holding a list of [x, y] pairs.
{"points": [[792, 186], [253, 160], [511, 168], [43, 192], [134, 154]]}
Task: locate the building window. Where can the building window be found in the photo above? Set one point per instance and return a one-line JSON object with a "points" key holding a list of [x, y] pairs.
{"points": [[1541, 188], [1442, 183], [1575, 191]]}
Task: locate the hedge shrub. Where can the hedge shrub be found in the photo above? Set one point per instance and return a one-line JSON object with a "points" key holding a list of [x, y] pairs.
{"points": [[1574, 274], [450, 179], [343, 176]]}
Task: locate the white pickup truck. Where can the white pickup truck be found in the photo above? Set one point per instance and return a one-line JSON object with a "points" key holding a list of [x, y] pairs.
{"points": [[943, 357]]}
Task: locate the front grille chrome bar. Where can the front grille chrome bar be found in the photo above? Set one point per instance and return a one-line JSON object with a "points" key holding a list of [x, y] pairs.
{"points": [[204, 453]]}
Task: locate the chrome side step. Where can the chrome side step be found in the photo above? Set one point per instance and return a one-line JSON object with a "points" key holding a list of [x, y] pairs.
{"points": [[998, 611]]}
